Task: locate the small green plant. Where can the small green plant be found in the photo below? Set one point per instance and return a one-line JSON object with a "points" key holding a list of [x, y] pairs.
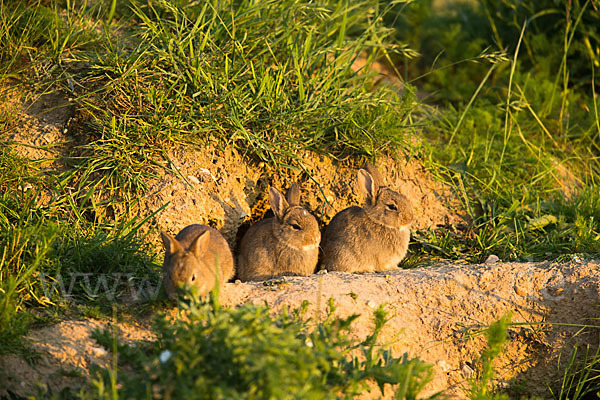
{"points": [[496, 335], [22, 254], [581, 378], [248, 352]]}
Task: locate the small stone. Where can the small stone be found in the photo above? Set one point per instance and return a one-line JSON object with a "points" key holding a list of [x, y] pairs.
{"points": [[237, 281], [322, 272], [99, 352], [467, 371], [520, 291], [492, 259], [193, 179], [371, 304]]}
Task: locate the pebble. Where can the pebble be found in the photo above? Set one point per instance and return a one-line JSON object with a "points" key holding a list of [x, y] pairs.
{"points": [[492, 259], [467, 371], [99, 352], [193, 179], [520, 291], [443, 365]]}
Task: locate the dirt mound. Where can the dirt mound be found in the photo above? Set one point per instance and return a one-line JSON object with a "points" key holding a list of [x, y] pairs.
{"points": [[434, 313], [66, 353], [228, 191], [438, 311]]}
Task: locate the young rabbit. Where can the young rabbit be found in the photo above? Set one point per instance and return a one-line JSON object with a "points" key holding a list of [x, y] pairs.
{"points": [[192, 258], [372, 238], [287, 244]]}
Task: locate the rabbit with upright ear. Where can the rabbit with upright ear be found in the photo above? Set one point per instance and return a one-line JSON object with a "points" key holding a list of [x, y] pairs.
{"points": [[287, 244], [372, 238], [193, 258]]}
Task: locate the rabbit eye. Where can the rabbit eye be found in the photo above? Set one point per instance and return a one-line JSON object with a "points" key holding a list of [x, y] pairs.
{"points": [[392, 207], [296, 227], [193, 277]]}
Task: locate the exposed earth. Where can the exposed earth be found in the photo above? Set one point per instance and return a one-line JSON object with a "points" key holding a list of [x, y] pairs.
{"points": [[435, 314]]}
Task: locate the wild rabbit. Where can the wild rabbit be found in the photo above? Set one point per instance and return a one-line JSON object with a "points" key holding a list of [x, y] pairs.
{"points": [[192, 258], [372, 238], [287, 244]]}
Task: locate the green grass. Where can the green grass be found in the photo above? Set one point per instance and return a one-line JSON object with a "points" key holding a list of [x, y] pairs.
{"points": [[270, 78], [510, 120], [580, 379], [515, 138]]}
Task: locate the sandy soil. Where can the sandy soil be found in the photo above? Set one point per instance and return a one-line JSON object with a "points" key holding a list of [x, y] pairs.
{"points": [[435, 311], [66, 353]]}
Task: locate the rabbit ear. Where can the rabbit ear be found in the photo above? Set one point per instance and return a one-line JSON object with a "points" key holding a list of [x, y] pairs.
{"points": [[200, 244], [170, 243], [293, 195], [278, 202], [368, 185], [370, 168]]}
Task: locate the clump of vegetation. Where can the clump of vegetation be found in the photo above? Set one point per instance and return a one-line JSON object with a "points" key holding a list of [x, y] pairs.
{"points": [[247, 352], [52, 256], [516, 135], [560, 36], [271, 78]]}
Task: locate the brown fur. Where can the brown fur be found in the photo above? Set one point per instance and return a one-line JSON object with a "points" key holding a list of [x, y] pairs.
{"points": [[274, 246], [192, 257], [372, 238]]}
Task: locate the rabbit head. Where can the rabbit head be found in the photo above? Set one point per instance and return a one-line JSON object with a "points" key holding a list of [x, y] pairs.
{"points": [[287, 244], [293, 225], [186, 266], [383, 205]]}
